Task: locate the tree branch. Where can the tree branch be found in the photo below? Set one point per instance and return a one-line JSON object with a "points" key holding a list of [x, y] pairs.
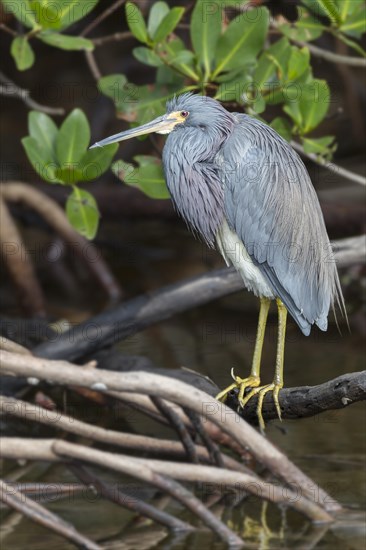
{"points": [[102, 16], [132, 442], [138, 313], [209, 408], [115, 37], [357, 178], [331, 56], [19, 265], [54, 215], [34, 511], [305, 401], [10, 89]]}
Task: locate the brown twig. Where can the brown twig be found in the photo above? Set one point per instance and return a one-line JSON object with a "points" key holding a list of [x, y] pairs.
{"points": [[127, 501], [212, 448], [137, 314], [352, 61], [130, 466], [177, 392], [102, 16], [352, 176], [115, 37], [54, 215], [176, 422], [9, 345], [55, 450], [308, 401], [9, 89], [7, 29], [34, 511], [134, 442], [93, 66], [19, 265]]}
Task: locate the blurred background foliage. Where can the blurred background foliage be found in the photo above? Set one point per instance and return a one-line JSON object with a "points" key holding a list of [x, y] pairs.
{"points": [[253, 56]]}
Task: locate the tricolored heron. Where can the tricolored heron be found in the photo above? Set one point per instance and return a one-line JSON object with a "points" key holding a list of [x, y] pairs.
{"points": [[243, 189]]}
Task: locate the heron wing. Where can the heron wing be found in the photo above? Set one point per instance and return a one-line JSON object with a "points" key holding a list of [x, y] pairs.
{"points": [[271, 205]]}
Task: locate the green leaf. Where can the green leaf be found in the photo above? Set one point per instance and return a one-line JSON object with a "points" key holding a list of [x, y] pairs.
{"points": [[74, 10], [355, 24], [22, 11], [113, 86], [146, 176], [323, 146], [174, 54], [205, 32], [326, 8], [73, 138], [168, 76], [258, 105], [168, 24], [145, 102], [147, 56], [272, 64], [65, 42], [314, 104], [82, 212], [282, 127], [22, 53], [157, 13], [136, 22], [46, 12], [351, 44], [41, 162], [298, 62], [304, 29], [96, 161], [242, 40], [237, 90], [292, 108], [69, 174], [42, 128]]}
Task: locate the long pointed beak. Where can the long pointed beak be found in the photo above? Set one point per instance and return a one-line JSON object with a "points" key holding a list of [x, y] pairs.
{"points": [[161, 124]]}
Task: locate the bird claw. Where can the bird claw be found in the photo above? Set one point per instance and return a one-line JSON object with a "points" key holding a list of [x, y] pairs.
{"points": [[241, 384], [261, 391], [253, 382]]}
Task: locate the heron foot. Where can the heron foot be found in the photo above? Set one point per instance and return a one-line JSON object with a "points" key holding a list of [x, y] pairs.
{"points": [[241, 384], [261, 392]]}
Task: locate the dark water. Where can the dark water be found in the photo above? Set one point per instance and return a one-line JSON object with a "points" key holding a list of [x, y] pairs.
{"points": [[330, 448]]}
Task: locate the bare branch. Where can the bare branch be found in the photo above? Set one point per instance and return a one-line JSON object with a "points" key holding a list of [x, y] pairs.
{"points": [[141, 443], [138, 313], [102, 16], [34, 511], [331, 56], [15, 448], [19, 265], [357, 178], [131, 466], [9, 89], [9, 345], [115, 37], [187, 396], [93, 66], [55, 216], [308, 401], [123, 499]]}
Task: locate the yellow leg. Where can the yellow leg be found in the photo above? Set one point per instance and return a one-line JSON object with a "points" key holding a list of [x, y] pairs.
{"points": [[253, 380], [277, 383]]}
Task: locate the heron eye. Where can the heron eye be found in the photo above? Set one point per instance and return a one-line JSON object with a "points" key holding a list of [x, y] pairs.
{"points": [[184, 114]]}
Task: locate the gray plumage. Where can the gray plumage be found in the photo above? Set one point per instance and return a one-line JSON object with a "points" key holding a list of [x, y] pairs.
{"points": [[228, 167]]}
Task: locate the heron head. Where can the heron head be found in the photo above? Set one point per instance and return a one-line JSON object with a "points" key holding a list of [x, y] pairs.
{"points": [[181, 111]]}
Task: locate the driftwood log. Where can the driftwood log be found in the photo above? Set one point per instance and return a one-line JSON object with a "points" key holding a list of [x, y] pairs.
{"points": [[136, 314]]}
